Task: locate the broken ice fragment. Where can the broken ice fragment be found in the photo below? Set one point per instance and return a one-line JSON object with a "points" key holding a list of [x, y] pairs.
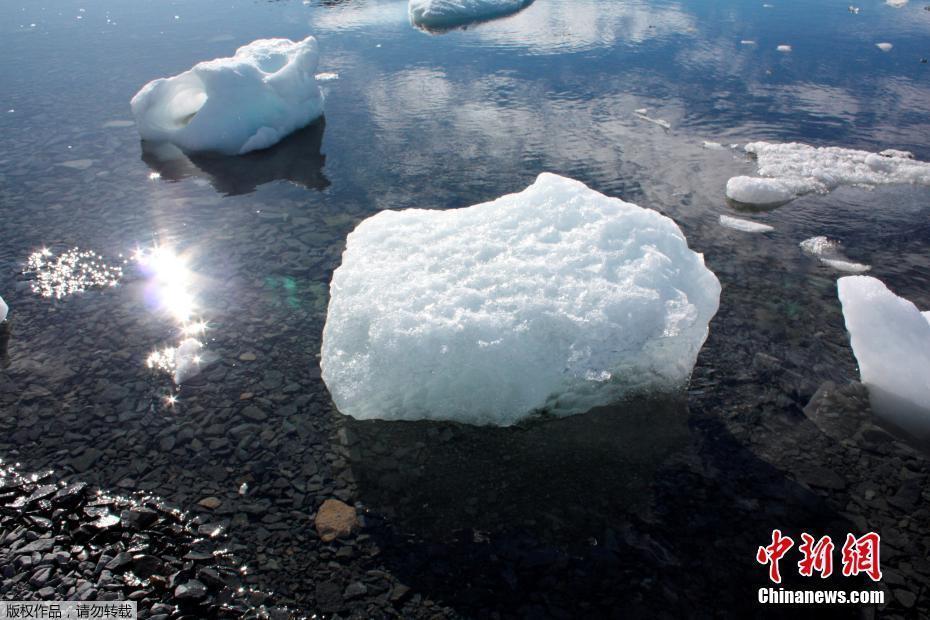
{"points": [[555, 298], [234, 105]]}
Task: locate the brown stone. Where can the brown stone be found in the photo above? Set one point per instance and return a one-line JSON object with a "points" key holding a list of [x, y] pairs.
{"points": [[335, 519], [210, 503]]}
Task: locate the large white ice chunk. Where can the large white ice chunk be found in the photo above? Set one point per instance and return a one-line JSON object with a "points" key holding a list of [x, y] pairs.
{"points": [[791, 169], [448, 13], [891, 340], [556, 298], [4, 309], [234, 105]]}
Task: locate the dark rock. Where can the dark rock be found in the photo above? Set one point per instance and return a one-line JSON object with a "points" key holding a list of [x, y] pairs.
{"points": [[147, 565], [354, 590], [190, 590]]}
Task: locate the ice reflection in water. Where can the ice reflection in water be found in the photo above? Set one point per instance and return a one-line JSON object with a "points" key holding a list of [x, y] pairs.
{"points": [[562, 479], [71, 272]]}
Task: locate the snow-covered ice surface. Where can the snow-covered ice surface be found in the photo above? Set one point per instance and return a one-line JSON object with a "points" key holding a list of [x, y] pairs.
{"points": [[556, 298], [789, 170], [744, 225], [234, 105], [439, 14], [891, 340], [829, 253], [4, 310]]}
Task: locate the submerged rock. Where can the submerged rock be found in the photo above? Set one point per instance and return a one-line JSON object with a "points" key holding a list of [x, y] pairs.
{"points": [[335, 519], [556, 298]]}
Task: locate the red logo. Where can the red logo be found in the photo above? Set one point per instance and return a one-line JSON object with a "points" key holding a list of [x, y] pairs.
{"points": [[860, 555]]}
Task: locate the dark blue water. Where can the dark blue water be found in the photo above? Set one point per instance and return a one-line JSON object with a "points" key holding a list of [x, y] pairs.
{"points": [[432, 121]]}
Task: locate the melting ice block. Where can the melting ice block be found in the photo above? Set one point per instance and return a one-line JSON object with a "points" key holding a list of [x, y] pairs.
{"points": [[792, 169], [556, 298], [891, 340], [829, 253], [449, 13], [234, 105]]}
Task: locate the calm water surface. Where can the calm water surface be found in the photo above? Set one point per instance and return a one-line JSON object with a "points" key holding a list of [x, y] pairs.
{"points": [[441, 121]]}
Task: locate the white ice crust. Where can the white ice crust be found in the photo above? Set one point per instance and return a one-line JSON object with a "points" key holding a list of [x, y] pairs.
{"points": [[789, 170], [4, 309], [187, 359], [234, 105], [829, 253], [891, 340], [749, 226], [556, 298], [449, 13]]}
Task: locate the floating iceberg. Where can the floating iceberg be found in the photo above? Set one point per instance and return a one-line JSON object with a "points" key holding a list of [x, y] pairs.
{"points": [[891, 340], [744, 225], [439, 14], [4, 310], [790, 170], [829, 253], [556, 298], [234, 105]]}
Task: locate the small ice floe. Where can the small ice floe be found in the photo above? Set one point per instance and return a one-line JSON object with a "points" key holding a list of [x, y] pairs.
{"points": [[78, 164], [890, 338], [70, 272], [327, 76], [747, 42], [829, 253], [744, 225], [896, 3], [789, 170], [885, 47], [234, 105], [4, 310], [441, 14], [641, 114], [713, 146], [183, 361], [853, 9], [897, 153], [556, 298], [784, 48], [119, 123]]}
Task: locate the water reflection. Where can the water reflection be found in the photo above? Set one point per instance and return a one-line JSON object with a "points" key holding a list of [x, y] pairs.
{"points": [[73, 271], [297, 159], [564, 478], [169, 287]]}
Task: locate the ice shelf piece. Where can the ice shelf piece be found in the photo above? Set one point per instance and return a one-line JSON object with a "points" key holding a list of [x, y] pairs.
{"points": [[749, 226], [789, 170], [556, 298], [829, 253], [439, 14], [234, 105], [891, 341]]}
